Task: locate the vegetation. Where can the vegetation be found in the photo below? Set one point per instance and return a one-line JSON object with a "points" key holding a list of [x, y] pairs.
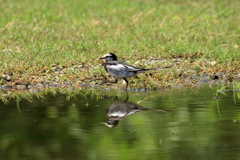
{"points": [[57, 42], [56, 45], [70, 93]]}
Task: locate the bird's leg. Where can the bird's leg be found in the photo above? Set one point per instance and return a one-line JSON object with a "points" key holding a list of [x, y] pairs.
{"points": [[126, 97], [126, 82]]}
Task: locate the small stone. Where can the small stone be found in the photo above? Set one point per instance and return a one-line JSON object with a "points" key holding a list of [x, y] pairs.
{"points": [[213, 63], [21, 87], [6, 77]]}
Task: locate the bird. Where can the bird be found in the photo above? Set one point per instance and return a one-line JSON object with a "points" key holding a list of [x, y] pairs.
{"points": [[120, 70], [121, 109]]}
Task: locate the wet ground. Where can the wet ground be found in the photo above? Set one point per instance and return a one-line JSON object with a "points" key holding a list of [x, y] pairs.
{"points": [[181, 123], [183, 73], [184, 80]]}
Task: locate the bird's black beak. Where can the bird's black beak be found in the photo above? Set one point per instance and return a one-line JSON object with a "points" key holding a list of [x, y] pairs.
{"points": [[102, 58]]}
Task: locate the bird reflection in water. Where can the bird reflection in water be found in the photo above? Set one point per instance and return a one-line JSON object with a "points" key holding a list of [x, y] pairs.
{"points": [[121, 109]]}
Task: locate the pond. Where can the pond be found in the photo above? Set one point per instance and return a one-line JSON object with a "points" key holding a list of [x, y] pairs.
{"points": [[181, 123]]}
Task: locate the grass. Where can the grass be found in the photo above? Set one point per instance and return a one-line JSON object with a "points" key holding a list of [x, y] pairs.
{"points": [[61, 41], [18, 95]]}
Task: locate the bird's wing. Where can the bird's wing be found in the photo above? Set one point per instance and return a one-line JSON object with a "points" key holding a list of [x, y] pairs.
{"points": [[132, 68], [129, 67], [120, 66], [116, 67]]}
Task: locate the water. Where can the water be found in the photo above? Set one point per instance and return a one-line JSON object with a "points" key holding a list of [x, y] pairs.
{"points": [[198, 126]]}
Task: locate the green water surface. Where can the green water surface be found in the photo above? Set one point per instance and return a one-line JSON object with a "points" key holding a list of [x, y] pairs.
{"points": [[198, 126]]}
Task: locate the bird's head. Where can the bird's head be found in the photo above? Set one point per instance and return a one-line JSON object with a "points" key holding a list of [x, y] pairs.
{"points": [[109, 57]]}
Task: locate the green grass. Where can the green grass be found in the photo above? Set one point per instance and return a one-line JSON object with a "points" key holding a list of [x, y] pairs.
{"points": [[18, 95], [37, 35]]}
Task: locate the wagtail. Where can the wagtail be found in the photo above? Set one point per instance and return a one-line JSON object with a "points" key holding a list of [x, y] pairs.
{"points": [[120, 70]]}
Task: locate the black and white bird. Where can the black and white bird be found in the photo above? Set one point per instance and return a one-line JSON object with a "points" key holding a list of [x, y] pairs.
{"points": [[121, 109], [120, 70]]}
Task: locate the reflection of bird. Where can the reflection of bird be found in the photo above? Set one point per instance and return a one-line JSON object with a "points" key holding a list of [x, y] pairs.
{"points": [[121, 109], [120, 70]]}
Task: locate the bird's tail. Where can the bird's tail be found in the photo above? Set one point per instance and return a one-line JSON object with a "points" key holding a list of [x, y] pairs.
{"points": [[159, 68], [157, 110]]}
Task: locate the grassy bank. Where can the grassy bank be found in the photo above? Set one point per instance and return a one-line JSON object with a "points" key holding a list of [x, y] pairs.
{"points": [[61, 41]]}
